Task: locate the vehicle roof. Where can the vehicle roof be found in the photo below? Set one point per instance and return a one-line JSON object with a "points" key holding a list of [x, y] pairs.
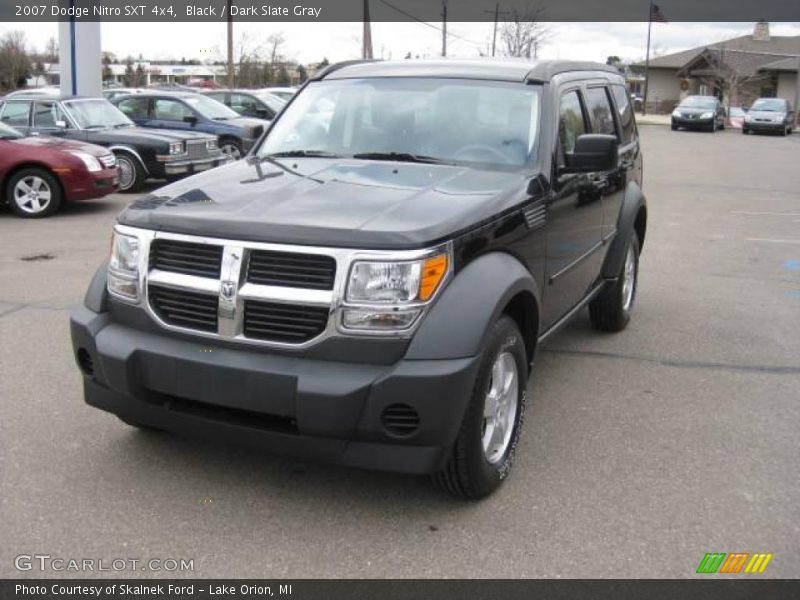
{"points": [[51, 97], [498, 69]]}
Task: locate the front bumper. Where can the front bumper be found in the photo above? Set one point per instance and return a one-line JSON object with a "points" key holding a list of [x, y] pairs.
{"points": [[764, 126], [85, 185], [308, 408], [692, 123], [181, 167]]}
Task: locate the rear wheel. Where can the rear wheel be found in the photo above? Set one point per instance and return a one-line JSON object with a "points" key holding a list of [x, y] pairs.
{"points": [[483, 453], [131, 173], [33, 193], [611, 310], [231, 148]]}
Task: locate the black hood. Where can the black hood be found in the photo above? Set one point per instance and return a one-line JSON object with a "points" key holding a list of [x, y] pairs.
{"points": [[343, 202], [141, 134]]}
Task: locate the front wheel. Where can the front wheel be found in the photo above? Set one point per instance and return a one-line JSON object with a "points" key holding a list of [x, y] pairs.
{"points": [[131, 174], [611, 310], [231, 148], [33, 193], [483, 453]]}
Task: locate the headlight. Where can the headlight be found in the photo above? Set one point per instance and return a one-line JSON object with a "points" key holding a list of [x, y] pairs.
{"points": [[778, 117], [707, 115], [676, 113], [91, 163], [176, 148], [123, 267], [390, 295], [211, 145], [748, 118]]}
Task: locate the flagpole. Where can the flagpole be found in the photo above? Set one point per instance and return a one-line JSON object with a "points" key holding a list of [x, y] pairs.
{"points": [[647, 59]]}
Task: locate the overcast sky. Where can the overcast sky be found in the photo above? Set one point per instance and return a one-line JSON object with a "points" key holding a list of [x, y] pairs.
{"points": [[310, 42]]}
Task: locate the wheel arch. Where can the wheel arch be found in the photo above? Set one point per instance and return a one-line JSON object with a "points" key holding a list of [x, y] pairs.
{"points": [[632, 219], [133, 152], [491, 285], [31, 164]]}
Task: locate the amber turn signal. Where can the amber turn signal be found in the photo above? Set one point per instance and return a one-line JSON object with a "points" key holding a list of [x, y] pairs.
{"points": [[433, 271]]}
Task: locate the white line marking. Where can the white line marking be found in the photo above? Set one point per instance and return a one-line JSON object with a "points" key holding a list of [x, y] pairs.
{"points": [[772, 241], [770, 214]]}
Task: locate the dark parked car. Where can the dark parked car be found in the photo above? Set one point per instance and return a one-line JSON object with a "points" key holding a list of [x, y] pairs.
{"points": [[38, 173], [374, 291], [250, 103], [773, 115], [699, 112], [141, 153], [194, 112]]}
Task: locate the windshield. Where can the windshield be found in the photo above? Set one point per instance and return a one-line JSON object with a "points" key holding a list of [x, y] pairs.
{"points": [[9, 133], [431, 120], [699, 102], [769, 105], [271, 100], [96, 114], [210, 108]]}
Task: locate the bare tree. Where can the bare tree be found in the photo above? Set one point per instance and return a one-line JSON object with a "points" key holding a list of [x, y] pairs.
{"points": [[15, 63], [523, 32], [731, 72], [51, 50], [274, 56]]}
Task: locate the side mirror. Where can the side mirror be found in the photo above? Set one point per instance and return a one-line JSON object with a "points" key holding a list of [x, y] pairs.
{"points": [[262, 113], [191, 119], [593, 152]]}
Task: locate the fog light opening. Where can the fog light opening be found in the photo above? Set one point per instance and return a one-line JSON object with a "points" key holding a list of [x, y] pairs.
{"points": [[85, 362]]}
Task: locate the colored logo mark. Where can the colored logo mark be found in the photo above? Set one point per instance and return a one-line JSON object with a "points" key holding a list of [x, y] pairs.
{"points": [[736, 562]]}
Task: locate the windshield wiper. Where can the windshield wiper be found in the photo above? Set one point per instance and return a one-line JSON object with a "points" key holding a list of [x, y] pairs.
{"points": [[96, 127], [303, 154], [400, 157], [121, 125]]}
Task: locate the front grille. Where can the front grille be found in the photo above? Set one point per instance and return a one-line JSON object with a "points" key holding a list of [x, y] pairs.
{"points": [[400, 419], [196, 149], [109, 161], [288, 269], [184, 309], [201, 260], [285, 323]]}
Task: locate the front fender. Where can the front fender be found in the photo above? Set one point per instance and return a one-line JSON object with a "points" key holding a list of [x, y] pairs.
{"points": [[631, 205], [457, 324]]}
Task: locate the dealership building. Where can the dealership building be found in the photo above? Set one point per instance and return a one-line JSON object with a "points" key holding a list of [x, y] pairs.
{"points": [[737, 71]]}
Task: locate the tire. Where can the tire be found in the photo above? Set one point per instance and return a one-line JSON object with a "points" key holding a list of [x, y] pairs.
{"points": [[713, 127], [483, 453], [744, 131], [784, 131], [33, 193], [131, 173], [611, 310], [231, 148], [674, 127]]}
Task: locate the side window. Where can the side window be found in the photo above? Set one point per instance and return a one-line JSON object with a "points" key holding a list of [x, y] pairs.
{"points": [[47, 115], [624, 113], [571, 122], [170, 110], [600, 109], [244, 105], [15, 113], [135, 108]]}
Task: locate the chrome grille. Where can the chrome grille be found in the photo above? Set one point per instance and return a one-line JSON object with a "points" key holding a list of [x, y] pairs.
{"points": [[109, 161], [201, 260], [287, 323], [183, 308], [307, 271], [196, 149]]}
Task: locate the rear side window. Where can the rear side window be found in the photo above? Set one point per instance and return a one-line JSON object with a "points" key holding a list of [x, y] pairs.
{"points": [[170, 110], [15, 113], [624, 113], [599, 107], [571, 122]]}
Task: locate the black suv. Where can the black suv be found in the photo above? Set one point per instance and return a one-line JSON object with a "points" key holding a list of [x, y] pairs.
{"points": [[141, 153], [371, 284]]}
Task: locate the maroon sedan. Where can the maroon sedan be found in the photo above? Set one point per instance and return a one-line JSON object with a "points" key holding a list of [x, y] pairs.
{"points": [[37, 174]]}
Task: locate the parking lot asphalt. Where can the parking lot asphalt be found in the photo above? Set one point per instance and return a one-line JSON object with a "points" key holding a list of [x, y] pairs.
{"points": [[641, 451]]}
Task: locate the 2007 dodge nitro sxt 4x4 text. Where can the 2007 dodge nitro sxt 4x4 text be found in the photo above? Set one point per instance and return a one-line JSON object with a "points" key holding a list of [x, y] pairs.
{"points": [[370, 284]]}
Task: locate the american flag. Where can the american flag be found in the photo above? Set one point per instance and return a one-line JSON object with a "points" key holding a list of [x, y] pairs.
{"points": [[656, 15]]}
